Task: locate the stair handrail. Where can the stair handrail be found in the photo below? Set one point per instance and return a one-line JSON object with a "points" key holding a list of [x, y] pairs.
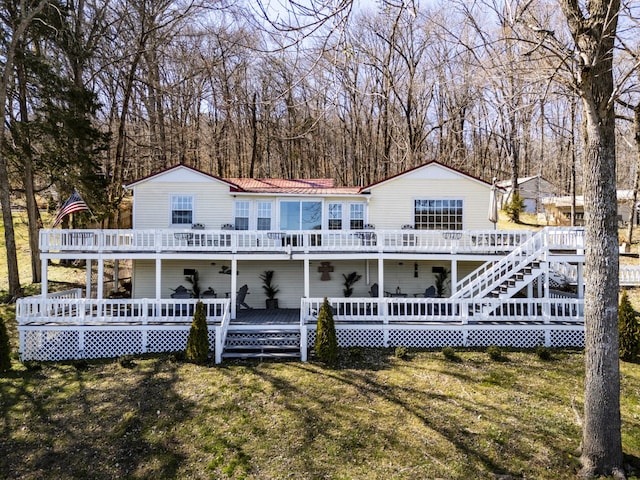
{"points": [[483, 279], [221, 334]]}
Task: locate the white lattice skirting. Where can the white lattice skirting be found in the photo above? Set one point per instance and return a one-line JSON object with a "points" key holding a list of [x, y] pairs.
{"points": [[47, 343], [51, 343], [529, 336]]}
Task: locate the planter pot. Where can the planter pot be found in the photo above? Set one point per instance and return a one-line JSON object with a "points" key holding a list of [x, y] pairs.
{"points": [[272, 303]]}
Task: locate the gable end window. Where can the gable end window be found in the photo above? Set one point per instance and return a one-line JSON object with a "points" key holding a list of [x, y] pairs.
{"points": [[181, 210], [438, 214]]}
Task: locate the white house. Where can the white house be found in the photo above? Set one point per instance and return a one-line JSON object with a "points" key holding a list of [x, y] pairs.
{"points": [[432, 269]]}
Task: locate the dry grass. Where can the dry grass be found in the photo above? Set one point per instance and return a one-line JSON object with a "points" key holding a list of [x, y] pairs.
{"points": [[374, 417]]}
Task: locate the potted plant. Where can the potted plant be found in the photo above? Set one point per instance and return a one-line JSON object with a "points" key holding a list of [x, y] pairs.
{"points": [[441, 282], [270, 290], [349, 280]]}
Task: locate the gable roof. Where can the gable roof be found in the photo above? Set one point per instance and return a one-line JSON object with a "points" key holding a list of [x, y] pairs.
{"points": [[317, 186], [177, 168], [430, 164], [522, 180]]}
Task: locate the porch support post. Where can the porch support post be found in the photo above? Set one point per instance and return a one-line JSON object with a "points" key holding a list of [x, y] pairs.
{"points": [[100, 279], [454, 276], [116, 275], [158, 278], [382, 307], [44, 286], [580, 280], [234, 286], [87, 293], [306, 277], [380, 277]]}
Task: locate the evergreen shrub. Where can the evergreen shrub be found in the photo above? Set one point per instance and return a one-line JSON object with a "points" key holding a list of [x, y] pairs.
{"points": [[514, 207], [629, 329], [198, 341], [326, 339], [5, 348]]}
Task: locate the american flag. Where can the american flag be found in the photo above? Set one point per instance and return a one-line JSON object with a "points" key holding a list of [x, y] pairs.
{"points": [[75, 203]]}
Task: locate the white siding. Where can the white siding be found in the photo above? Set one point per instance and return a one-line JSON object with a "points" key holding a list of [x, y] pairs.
{"points": [[392, 202], [213, 205]]}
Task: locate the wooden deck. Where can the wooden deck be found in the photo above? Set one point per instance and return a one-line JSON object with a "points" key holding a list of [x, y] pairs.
{"points": [[279, 316]]}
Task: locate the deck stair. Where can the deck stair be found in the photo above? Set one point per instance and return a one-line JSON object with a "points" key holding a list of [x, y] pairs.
{"points": [[506, 277], [269, 341]]}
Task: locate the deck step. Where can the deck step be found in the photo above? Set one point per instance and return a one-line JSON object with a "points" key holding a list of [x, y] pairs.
{"points": [[243, 355], [263, 343]]}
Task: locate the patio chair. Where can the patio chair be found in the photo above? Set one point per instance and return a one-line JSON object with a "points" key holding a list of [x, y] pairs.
{"points": [[373, 292], [181, 292], [430, 292], [209, 293], [242, 293]]}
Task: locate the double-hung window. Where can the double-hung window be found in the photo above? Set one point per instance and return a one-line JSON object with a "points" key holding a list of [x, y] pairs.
{"points": [[356, 216], [241, 215], [438, 214], [181, 210], [335, 216], [264, 216]]}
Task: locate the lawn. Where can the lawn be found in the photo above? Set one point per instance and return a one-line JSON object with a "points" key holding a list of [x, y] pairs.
{"points": [[374, 416]]}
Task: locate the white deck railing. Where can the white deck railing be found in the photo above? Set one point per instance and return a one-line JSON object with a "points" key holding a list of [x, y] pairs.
{"points": [[629, 275], [188, 240], [83, 311], [447, 310]]}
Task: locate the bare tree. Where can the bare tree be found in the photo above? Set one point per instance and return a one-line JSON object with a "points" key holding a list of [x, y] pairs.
{"points": [[17, 21]]}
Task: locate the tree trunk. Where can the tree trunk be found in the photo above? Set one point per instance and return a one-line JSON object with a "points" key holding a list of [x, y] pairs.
{"points": [[33, 215], [594, 36], [636, 183]]}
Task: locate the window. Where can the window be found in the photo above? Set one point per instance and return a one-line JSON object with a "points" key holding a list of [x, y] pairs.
{"points": [[264, 216], [438, 214], [296, 215], [181, 210], [335, 216], [356, 216], [242, 215]]}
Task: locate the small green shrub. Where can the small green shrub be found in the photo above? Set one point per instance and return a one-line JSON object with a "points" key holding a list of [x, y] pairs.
{"points": [[355, 353], [495, 353], [450, 354], [629, 329], [543, 353], [514, 207], [198, 341], [401, 352], [5, 348], [326, 339]]}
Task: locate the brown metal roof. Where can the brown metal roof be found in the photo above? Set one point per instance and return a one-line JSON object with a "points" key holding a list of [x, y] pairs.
{"points": [[318, 186]]}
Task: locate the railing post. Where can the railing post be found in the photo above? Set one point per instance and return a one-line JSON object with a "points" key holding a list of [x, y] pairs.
{"points": [[303, 342], [218, 345]]}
